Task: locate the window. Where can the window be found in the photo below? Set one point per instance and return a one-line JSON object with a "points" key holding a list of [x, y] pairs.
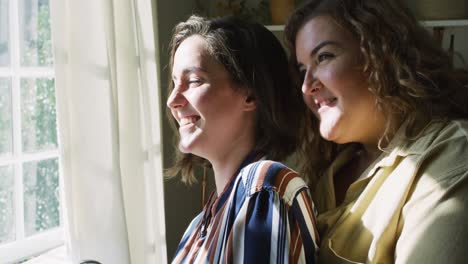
{"points": [[29, 158]]}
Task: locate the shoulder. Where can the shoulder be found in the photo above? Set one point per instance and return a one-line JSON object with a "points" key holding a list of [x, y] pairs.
{"points": [[445, 133], [449, 148], [451, 130], [267, 175], [445, 156], [192, 226]]}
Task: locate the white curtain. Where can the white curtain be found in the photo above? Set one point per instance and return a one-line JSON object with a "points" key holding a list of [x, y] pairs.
{"points": [[109, 129]]}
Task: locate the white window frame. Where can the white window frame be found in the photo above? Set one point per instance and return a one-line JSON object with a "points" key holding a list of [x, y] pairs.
{"points": [[24, 247]]}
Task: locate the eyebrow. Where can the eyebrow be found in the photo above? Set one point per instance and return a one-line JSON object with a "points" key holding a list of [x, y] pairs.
{"points": [[191, 70], [322, 44]]}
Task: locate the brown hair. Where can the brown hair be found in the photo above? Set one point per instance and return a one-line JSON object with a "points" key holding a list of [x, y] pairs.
{"points": [[255, 61], [410, 75]]}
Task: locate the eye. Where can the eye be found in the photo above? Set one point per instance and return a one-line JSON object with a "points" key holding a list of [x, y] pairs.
{"points": [[324, 56], [194, 82]]}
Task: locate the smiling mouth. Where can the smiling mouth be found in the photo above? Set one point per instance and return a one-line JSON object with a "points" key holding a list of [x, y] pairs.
{"points": [[188, 120], [326, 102]]}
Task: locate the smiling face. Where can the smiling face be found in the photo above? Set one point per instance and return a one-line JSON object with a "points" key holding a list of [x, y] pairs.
{"points": [[334, 85], [212, 114]]}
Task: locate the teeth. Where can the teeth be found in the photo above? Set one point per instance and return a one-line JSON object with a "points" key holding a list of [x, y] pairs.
{"points": [[188, 120], [325, 102]]}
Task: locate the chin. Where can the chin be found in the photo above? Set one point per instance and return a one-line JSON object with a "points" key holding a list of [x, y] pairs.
{"points": [[330, 127], [330, 136], [185, 147], [328, 132], [327, 136], [191, 148]]}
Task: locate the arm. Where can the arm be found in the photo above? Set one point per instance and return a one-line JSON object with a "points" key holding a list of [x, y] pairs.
{"points": [[303, 229], [280, 229]]}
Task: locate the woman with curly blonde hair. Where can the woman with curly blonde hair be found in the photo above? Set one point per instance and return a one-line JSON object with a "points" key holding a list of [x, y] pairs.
{"points": [[386, 148]]}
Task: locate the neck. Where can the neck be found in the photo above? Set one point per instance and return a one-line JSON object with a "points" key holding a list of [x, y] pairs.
{"points": [[370, 144], [226, 164], [227, 155], [370, 153]]}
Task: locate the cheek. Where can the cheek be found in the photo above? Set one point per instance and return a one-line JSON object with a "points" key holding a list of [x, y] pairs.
{"points": [[336, 78], [174, 113], [220, 109], [201, 101], [348, 84]]}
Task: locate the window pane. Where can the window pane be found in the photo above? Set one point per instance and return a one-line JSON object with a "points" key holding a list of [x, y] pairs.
{"points": [[7, 212], [38, 128], [35, 42], [41, 196], [5, 117], [4, 33]]}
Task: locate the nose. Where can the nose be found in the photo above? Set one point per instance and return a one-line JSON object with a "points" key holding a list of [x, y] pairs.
{"points": [[311, 85], [176, 99]]}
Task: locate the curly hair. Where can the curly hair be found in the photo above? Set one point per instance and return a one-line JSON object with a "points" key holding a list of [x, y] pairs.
{"points": [[256, 62], [409, 73]]}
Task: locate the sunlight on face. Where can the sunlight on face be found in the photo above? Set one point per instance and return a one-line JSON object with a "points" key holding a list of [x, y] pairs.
{"points": [[334, 85], [204, 101]]}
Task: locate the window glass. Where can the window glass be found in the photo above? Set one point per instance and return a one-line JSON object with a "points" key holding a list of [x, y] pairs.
{"points": [[38, 128], [4, 34], [41, 196], [35, 38], [29, 156], [7, 212], [5, 117]]}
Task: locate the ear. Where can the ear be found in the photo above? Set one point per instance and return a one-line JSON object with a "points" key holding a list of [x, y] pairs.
{"points": [[249, 103]]}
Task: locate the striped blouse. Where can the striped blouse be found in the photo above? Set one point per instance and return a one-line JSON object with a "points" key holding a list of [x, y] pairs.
{"points": [[264, 215]]}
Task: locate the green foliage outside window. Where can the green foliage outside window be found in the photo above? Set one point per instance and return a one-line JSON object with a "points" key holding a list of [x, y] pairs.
{"points": [[5, 117], [41, 181], [38, 133], [38, 43]]}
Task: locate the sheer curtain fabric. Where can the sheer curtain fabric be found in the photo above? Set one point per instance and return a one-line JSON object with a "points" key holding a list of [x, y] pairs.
{"points": [[109, 129]]}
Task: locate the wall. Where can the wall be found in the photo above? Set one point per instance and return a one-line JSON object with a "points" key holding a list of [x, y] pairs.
{"points": [[460, 45]]}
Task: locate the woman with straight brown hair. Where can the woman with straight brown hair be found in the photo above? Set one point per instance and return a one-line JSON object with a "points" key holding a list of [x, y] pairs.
{"points": [[234, 107]]}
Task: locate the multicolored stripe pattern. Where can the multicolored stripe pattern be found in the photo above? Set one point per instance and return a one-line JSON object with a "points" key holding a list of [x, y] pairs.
{"points": [[265, 215]]}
